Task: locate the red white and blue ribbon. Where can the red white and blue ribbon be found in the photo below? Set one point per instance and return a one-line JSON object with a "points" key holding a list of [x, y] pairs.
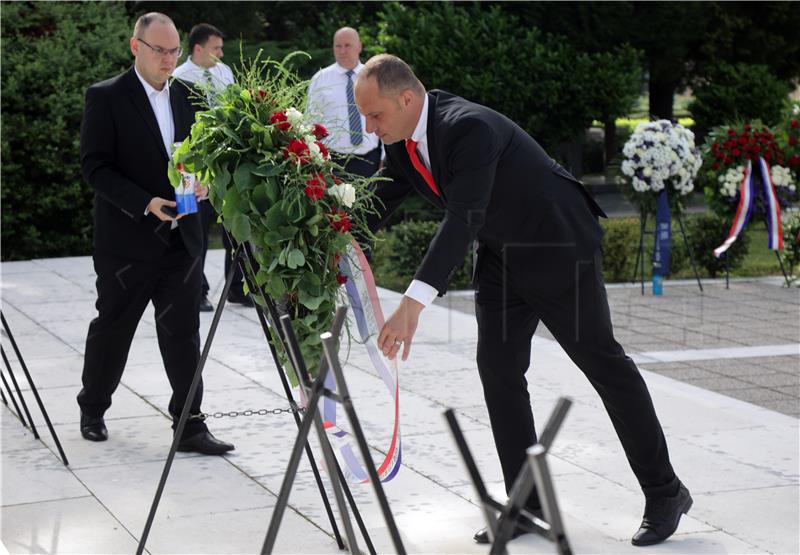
{"points": [[744, 210], [366, 311]]}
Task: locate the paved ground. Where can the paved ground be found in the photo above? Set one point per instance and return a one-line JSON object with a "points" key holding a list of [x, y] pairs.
{"points": [[741, 342], [740, 460]]}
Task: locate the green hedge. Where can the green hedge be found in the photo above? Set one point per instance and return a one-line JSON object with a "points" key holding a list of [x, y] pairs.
{"points": [[52, 51], [737, 92]]}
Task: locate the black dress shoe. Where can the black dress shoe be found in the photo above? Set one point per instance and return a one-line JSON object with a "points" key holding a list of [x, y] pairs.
{"points": [[522, 527], [242, 299], [205, 305], [204, 443], [93, 428], [661, 517]]}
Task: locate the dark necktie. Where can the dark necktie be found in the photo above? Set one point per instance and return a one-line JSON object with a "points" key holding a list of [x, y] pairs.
{"points": [[411, 147], [356, 133]]}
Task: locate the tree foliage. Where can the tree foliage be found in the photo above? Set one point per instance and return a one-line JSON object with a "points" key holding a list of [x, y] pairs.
{"points": [[52, 51]]}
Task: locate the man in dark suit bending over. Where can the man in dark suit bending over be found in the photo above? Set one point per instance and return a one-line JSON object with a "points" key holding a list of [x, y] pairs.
{"points": [[141, 253], [538, 260]]}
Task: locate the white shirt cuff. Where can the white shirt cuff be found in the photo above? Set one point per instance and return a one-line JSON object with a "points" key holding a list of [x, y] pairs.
{"points": [[421, 292]]}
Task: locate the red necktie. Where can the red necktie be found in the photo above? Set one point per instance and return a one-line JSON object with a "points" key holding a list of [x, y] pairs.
{"points": [[411, 147]]}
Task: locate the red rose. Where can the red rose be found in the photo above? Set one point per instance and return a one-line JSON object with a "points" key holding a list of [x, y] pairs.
{"points": [[748, 156], [736, 152], [769, 136], [299, 150], [742, 140], [731, 132], [279, 120], [341, 279], [748, 147], [756, 149], [793, 125], [792, 140], [747, 127], [767, 155], [715, 166], [714, 147], [794, 160], [728, 160], [319, 131], [729, 144], [315, 187], [323, 150], [340, 221]]}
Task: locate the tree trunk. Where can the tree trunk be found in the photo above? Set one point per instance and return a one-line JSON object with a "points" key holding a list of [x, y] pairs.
{"points": [[661, 98], [610, 127]]}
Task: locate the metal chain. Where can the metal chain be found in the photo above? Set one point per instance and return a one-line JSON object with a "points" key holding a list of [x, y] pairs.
{"points": [[260, 412]]}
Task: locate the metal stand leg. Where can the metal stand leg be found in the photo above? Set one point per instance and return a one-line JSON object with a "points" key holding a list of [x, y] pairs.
{"points": [[35, 391], [689, 251], [247, 265], [18, 412], [533, 476], [176, 438], [19, 394], [316, 390]]}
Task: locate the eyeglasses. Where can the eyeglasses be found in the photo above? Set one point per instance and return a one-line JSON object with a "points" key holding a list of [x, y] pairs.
{"points": [[162, 52]]}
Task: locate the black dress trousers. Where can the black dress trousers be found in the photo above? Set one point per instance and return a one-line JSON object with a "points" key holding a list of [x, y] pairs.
{"points": [[571, 301], [124, 288]]}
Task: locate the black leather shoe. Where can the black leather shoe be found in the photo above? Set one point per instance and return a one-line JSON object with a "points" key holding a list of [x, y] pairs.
{"points": [[661, 517], [205, 305], [482, 535], [93, 428], [242, 299], [204, 443]]}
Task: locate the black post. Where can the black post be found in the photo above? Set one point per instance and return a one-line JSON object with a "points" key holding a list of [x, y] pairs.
{"points": [[19, 394], [689, 250], [176, 438], [331, 354], [11, 394], [35, 391]]}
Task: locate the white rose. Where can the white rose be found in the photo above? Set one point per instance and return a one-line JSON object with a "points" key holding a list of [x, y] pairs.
{"points": [[627, 168], [294, 116], [344, 193], [647, 172]]}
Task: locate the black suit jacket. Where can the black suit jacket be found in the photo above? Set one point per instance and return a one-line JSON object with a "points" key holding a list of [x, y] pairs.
{"points": [[498, 186], [124, 160]]}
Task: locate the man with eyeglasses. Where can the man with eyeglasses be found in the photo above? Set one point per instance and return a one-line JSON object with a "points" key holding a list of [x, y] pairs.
{"points": [[204, 69], [142, 251]]}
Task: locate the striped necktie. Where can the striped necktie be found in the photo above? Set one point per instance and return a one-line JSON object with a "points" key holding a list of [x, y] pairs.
{"points": [[356, 133]]}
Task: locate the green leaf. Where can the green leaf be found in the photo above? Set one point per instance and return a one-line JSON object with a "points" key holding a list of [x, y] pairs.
{"points": [[272, 237], [275, 217], [240, 227], [231, 204], [311, 302], [260, 198], [272, 189], [287, 232], [174, 175], [243, 176], [296, 259], [223, 177], [268, 169]]}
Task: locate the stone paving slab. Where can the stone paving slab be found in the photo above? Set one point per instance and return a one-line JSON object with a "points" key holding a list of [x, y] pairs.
{"points": [[739, 459]]}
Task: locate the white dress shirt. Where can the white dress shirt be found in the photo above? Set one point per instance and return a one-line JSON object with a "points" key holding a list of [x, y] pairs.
{"points": [[419, 290], [221, 75], [327, 104], [159, 101]]}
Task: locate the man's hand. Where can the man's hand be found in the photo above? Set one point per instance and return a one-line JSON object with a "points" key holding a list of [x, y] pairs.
{"points": [[154, 208], [399, 329], [200, 191]]}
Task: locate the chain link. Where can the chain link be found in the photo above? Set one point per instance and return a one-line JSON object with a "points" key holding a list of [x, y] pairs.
{"points": [[248, 412]]}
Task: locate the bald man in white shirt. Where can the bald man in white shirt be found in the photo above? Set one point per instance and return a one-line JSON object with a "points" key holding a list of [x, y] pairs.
{"points": [[330, 99]]}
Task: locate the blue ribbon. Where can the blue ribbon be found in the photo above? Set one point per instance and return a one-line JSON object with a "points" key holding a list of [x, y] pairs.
{"points": [[662, 242]]}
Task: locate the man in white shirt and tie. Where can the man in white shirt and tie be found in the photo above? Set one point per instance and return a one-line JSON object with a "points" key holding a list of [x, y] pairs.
{"points": [[204, 69], [330, 99]]}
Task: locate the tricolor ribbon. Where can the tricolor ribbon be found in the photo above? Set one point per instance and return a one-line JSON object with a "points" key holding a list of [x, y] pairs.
{"points": [[744, 210], [366, 310]]}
